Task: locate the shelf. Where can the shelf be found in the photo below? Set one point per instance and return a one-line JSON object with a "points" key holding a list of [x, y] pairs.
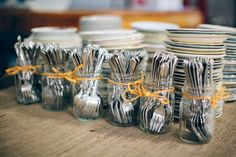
{"points": [[24, 19]]}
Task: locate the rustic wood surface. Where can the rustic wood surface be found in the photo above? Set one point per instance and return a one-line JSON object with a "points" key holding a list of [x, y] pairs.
{"points": [[31, 131]]}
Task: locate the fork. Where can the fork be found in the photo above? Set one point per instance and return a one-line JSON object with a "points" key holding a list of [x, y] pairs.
{"points": [[158, 119]]}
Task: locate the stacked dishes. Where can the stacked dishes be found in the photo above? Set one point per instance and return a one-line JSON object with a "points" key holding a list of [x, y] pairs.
{"points": [[155, 34], [230, 66], [113, 40], [120, 39], [229, 71], [100, 22], [64, 37], [189, 43]]}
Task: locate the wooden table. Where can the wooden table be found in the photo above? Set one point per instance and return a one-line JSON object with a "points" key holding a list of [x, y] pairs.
{"points": [[30, 131]]}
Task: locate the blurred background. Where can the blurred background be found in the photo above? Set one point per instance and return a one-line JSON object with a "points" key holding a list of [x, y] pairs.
{"points": [[17, 17]]}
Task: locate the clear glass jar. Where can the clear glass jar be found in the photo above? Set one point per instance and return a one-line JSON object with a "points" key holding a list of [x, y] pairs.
{"points": [[56, 93], [197, 116], [87, 98], [27, 91], [154, 116], [120, 111]]}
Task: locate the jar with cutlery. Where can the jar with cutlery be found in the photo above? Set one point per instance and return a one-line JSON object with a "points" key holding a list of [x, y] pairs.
{"points": [[87, 98], [156, 110], [86, 92], [27, 91], [122, 105], [56, 89], [56, 93], [197, 107]]}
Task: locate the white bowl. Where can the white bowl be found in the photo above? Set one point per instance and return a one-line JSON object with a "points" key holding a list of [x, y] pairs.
{"points": [[151, 26], [48, 5], [58, 33]]}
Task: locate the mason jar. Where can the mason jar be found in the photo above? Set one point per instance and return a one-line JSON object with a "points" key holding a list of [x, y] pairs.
{"points": [[87, 98], [27, 89], [56, 92], [156, 109], [197, 115], [122, 111]]}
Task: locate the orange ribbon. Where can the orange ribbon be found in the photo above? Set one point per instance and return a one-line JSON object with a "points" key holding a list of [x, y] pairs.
{"points": [[136, 88], [70, 76], [220, 95], [16, 69]]}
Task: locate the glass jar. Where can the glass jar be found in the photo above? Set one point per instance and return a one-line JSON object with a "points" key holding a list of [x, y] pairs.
{"points": [[121, 111], [154, 115], [197, 116], [87, 98], [27, 91], [56, 92]]}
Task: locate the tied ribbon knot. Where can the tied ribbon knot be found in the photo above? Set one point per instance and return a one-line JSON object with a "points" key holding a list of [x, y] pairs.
{"points": [[220, 95], [136, 88], [16, 69], [158, 95], [132, 88], [70, 75]]}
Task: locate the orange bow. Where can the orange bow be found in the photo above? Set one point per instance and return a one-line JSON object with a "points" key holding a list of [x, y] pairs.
{"points": [[136, 88], [70, 76]]}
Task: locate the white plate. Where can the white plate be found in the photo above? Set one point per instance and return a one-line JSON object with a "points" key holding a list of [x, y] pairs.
{"points": [[195, 51], [187, 45], [216, 27], [106, 34], [56, 33], [154, 48], [195, 31], [119, 43], [132, 36], [139, 46], [151, 26], [198, 40]]}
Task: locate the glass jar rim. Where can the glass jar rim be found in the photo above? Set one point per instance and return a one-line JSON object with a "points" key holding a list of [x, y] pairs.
{"points": [[115, 76]]}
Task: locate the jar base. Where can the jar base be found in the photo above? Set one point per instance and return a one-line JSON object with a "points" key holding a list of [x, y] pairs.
{"points": [[120, 124], [154, 132], [194, 141], [86, 119]]}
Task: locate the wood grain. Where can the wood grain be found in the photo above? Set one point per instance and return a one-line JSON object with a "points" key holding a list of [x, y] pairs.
{"points": [[31, 131]]}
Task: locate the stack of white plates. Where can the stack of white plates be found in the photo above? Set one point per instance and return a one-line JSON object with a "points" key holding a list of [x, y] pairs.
{"points": [[100, 22], [187, 43], [66, 37], [230, 67], [229, 71], [155, 34], [112, 40]]}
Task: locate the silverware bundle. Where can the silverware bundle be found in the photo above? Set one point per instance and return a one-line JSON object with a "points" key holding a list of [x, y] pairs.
{"points": [[87, 100], [26, 87], [55, 91], [154, 116], [198, 115], [124, 66]]}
